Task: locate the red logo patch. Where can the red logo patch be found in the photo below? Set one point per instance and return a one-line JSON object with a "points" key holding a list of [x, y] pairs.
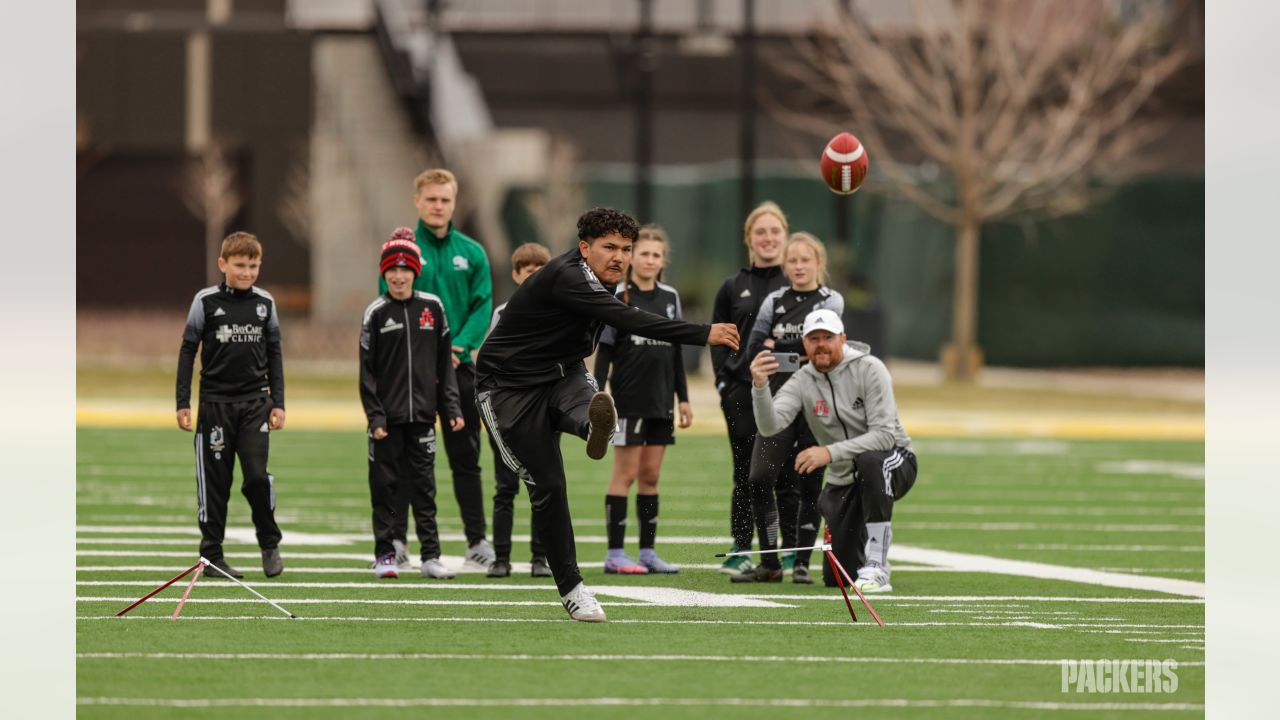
{"points": [[426, 321], [820, 407]]}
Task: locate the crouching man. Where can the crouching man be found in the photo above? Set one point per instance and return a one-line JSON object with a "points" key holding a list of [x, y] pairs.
{"points": [[846, 396]]}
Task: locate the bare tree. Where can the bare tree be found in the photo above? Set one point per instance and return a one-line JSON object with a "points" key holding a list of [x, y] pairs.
{"points": [[294, 207], [211, 191], [1019, 100], [556, 207]]}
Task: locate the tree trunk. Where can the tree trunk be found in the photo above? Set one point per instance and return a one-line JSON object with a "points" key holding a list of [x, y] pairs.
{"points": [[962, 358]]}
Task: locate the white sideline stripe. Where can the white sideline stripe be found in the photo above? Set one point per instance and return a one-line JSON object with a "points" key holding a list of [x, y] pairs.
{"points": [[1113, 548], [632, 702], [657, 596], [233, 535], [805, 623], [589, 658], [347, 601], [1084, 527], [1023, 568], [966, 562]]}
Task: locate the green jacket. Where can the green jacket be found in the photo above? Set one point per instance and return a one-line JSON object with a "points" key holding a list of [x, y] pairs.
{"points": [[456, 269]]}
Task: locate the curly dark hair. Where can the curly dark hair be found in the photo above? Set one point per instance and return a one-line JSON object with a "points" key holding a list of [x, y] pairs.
{"points": [[601, 221]]}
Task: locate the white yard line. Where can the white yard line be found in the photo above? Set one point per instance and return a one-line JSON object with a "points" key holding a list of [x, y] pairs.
{"points": [[785, 659], [1023, 568], [638, 702], [803, 623], [962, 562]]}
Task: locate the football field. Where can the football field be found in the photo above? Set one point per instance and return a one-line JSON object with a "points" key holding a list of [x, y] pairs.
{"points": [[1010, 557]]}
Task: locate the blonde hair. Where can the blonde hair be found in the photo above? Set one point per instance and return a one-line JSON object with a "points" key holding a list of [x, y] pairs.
{"points": [[435, 176], [820, 250], [768, 207], [530, 253], [241, 243], [647, 232]]}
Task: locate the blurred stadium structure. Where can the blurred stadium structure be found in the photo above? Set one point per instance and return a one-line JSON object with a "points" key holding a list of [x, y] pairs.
{"points": [[305, 122]]}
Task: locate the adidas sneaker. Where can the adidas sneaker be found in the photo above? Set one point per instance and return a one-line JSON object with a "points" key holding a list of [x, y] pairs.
{"points": [[385, 566], [582, 605], [872, 579]]}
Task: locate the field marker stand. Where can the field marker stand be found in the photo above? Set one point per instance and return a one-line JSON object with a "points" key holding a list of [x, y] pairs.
{"points": [[842, 576], [198, 569]]}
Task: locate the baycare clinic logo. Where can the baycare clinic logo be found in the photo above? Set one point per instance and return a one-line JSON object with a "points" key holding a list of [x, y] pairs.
{"points": [[237, 333], [426, 321]]}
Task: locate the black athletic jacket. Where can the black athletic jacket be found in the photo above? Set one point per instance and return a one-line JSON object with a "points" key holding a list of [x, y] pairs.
{"points": [[646, 372], [238, 335], [406, 363], [737, 302], [553, 321], [781, 317]]}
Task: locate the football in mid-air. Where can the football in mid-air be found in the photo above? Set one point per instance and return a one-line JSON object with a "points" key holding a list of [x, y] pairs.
{"points": [[844, 164]]}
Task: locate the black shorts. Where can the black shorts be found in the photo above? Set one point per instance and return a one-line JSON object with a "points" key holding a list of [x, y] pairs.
{"points": [[645, 431]]}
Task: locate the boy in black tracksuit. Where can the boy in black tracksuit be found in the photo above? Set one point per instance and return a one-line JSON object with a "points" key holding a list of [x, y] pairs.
{"points": [[533, 384], [405, 374], [236, 329]]}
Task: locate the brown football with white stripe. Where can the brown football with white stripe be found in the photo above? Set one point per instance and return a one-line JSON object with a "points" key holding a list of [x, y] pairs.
{"points": [[844, 164]]}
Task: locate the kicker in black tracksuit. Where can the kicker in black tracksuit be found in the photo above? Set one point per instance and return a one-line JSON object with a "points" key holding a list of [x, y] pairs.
{"points": [[794, 510], [406, 374], [737, 302], [532, 385], [237, 333]]}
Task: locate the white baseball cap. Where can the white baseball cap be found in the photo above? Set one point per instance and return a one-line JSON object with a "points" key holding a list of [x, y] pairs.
{"points": [[823, 319]]}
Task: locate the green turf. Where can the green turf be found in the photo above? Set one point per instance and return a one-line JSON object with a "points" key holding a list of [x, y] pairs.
{"points": [[1132, 507]]}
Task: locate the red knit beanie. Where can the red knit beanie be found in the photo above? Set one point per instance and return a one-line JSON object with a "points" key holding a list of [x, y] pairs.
{"points": [[401, 250]]}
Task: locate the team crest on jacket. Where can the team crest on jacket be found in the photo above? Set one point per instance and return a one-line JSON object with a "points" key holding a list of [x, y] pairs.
{"points": [[671, 311], [426, 321], [820, 407], [262, 311], [460, 263]]}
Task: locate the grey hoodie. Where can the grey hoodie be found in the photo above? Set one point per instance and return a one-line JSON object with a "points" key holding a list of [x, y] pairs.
{"points": [[850, 410]]}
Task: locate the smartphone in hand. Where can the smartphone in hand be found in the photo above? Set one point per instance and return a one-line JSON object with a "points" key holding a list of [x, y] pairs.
{"points": [[787, 362]]}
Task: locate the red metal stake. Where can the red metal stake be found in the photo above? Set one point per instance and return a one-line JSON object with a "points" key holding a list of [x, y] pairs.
{"points": [[178, 610], [149, 595], [840, 571], [831, 560]]}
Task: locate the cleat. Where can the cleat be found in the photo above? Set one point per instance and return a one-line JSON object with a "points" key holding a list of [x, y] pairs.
{"points": [[402, 554], [272, 565], [385, 566], [604, 422], [224, 567], [623, 566], [479, 556], [760, 573], [872, 579], [435, 569], [582, 605], [655, 564], [737, 563], [499, 569], [538, 567], [800, 574]]}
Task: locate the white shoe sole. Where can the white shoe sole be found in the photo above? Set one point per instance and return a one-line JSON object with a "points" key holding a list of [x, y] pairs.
{"points": [[592, 617], [873, 589]]}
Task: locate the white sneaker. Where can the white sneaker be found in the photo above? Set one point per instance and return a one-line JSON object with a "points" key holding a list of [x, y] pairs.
{"points": [[433, 568], [402, 554], [872, 579], [582, 605], [385, 567], [479, 556]]}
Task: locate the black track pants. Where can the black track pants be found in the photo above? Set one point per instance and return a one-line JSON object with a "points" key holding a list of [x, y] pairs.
{"points": [[225, 431], [506, 487], [881, 478], [525, 425], [402, 465], [463, 450], [735, 403]]}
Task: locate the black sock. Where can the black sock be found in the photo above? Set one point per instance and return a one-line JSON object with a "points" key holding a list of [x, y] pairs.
{"points": [[647, 514], [615, 520]]}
